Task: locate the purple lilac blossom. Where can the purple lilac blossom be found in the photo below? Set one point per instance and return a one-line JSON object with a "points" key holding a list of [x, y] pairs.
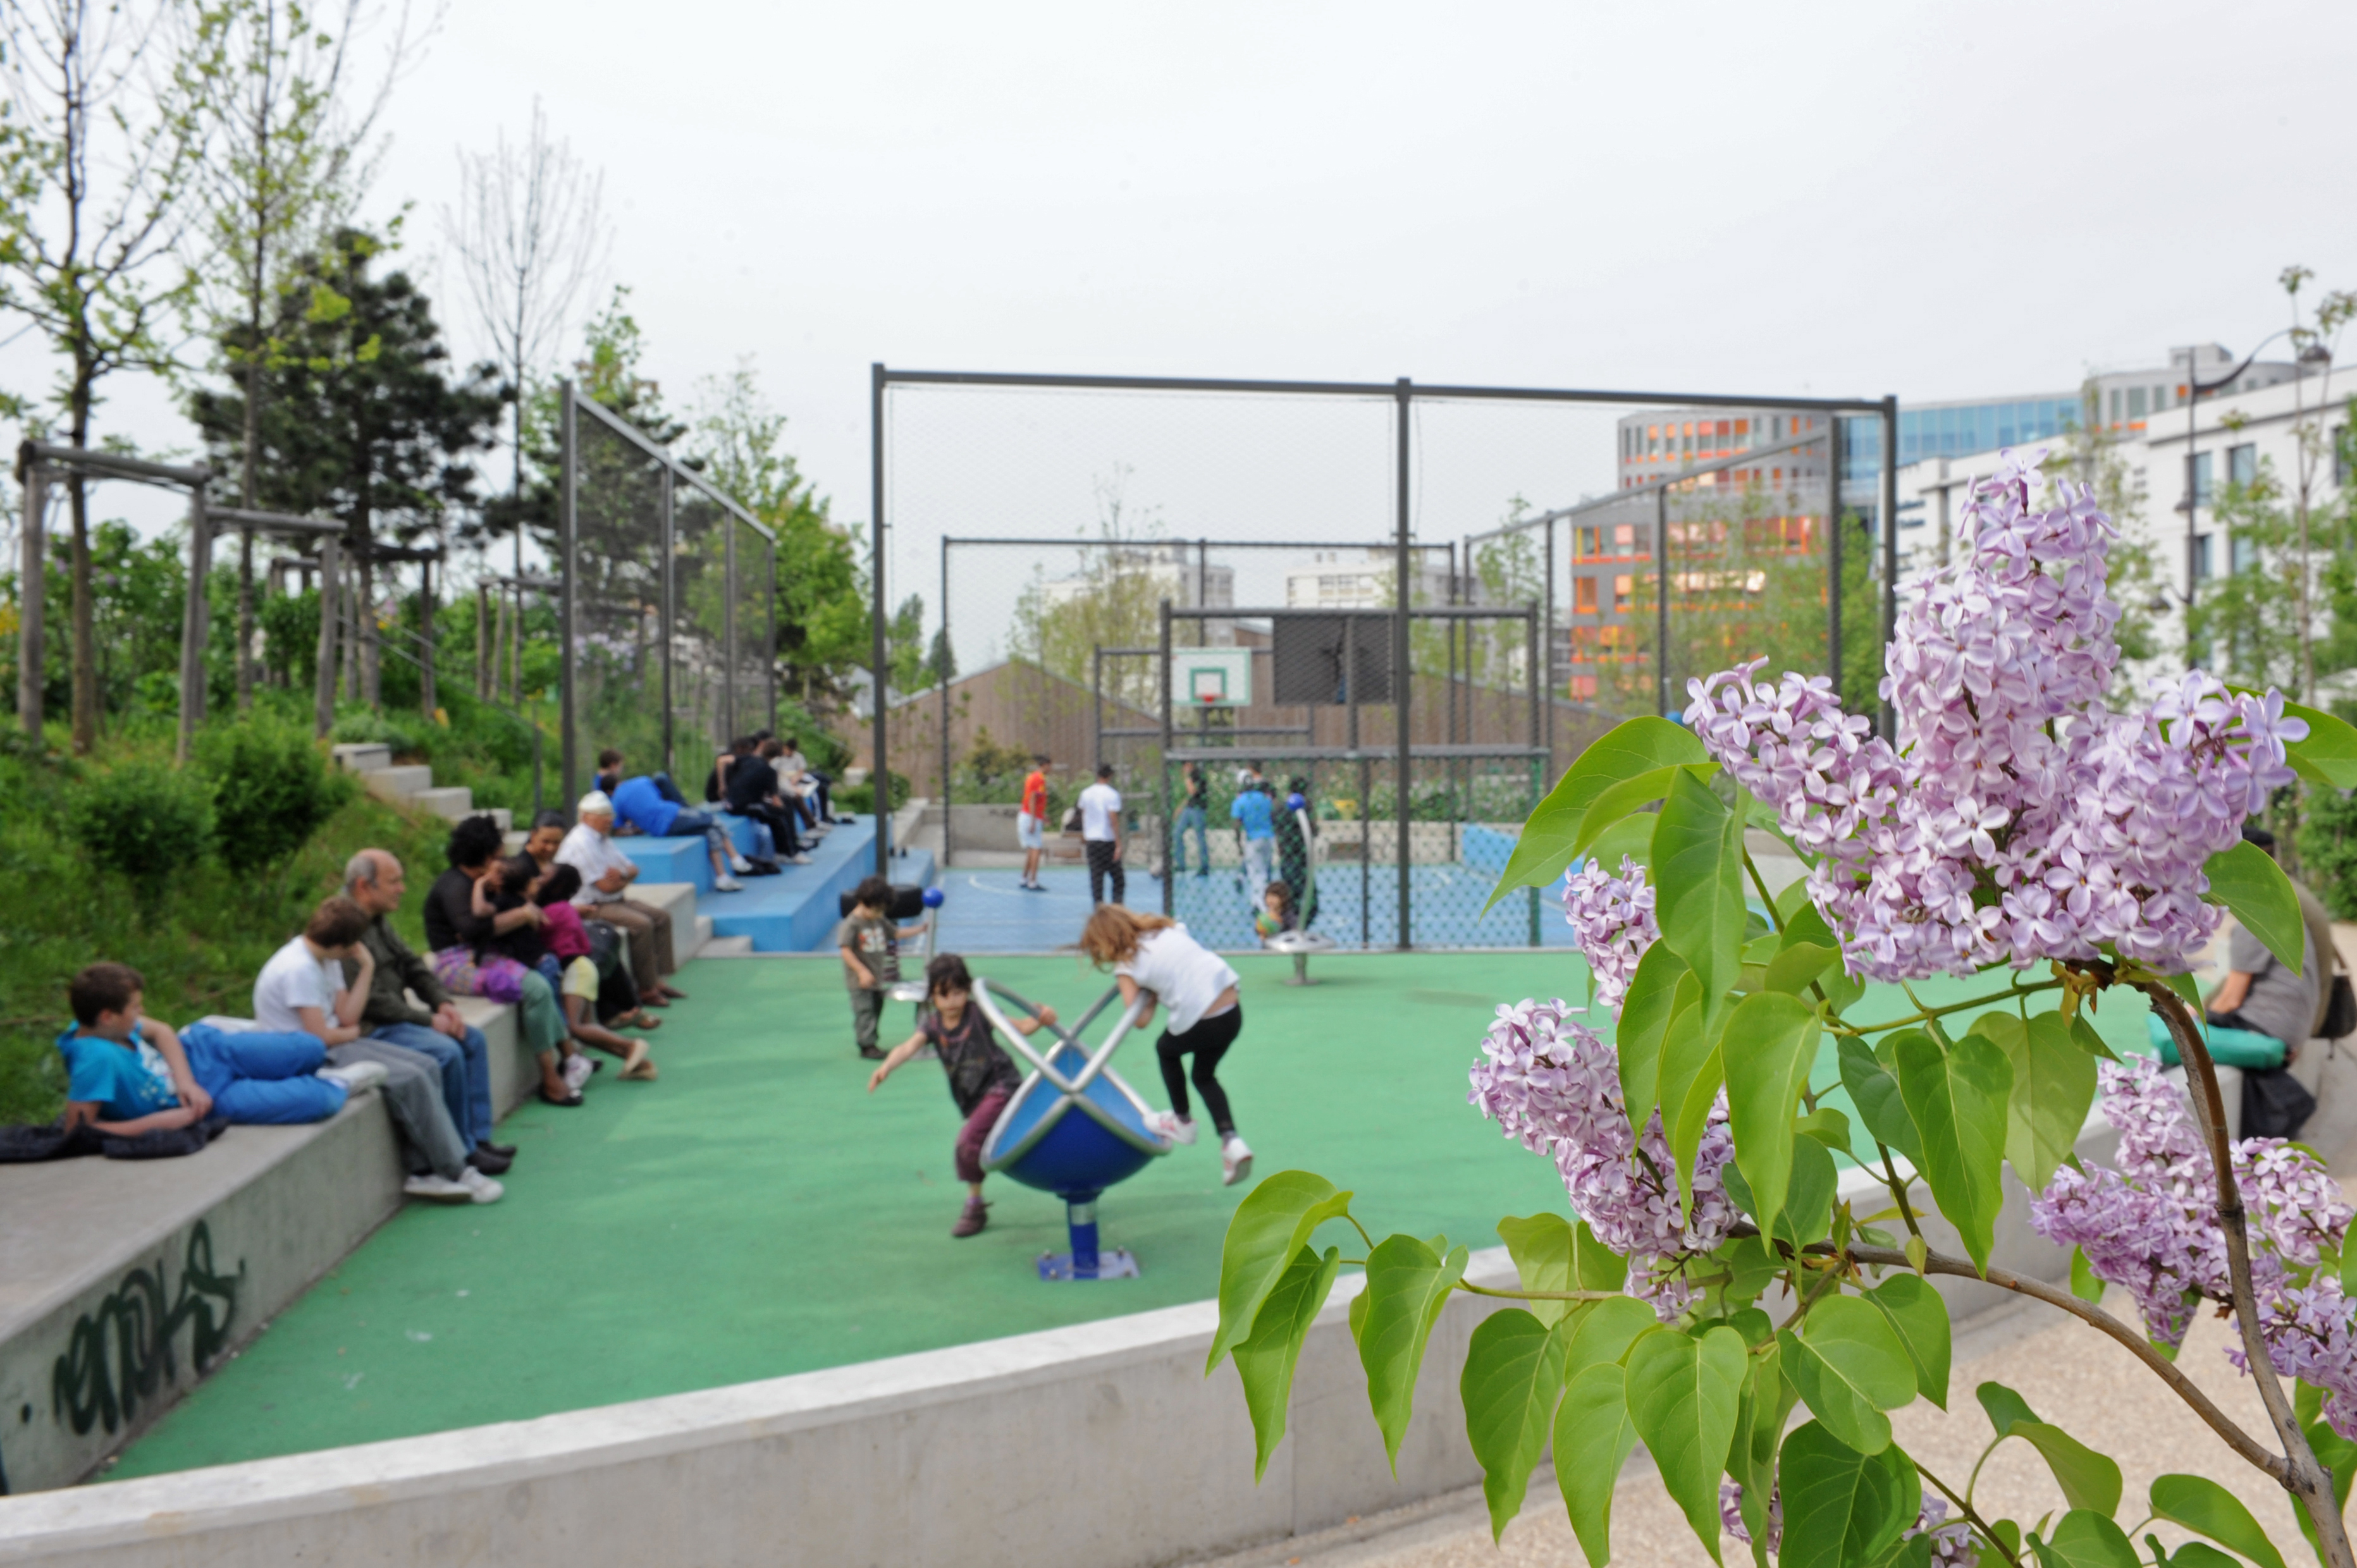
{"points": [[1730, 1515], [1953, 1545], [1555, 1087], [2027, 821], [1611, 918]]}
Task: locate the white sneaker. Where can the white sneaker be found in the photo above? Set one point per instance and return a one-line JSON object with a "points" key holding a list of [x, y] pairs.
{"points": [[726, 885], [355, 1076], [480, 1187], [1235, 1161], [738, 864], [577, 1072], [1170, 1127], [798, 860], [441, 1189]]}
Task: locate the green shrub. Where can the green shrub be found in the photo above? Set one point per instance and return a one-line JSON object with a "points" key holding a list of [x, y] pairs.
{"points": [[860, 798], [2328, 850], [144, 822], [366, 726], [271, 789]]}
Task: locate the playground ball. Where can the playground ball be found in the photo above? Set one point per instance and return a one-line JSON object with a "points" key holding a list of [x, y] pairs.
{"points": [[1296, 802], [933, 897]]}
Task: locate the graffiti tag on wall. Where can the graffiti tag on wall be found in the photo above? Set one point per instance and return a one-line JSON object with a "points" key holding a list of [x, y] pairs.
{"points": [[122, 1351]]}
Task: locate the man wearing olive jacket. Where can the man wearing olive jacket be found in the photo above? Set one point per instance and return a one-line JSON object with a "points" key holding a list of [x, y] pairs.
{"points": [[374, 880]]}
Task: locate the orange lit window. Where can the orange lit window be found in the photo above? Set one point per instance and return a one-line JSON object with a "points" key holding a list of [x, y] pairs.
{"points": [[1583, 595], [1621, 588], [1625, 535]]}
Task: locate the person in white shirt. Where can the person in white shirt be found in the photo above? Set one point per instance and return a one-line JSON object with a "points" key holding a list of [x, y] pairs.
{"points": [[1153, 955], [606, 878], [1101, 835], [302, 988]]}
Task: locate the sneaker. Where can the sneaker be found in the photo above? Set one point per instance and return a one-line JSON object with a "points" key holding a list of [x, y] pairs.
{"points": [[970, 1223], [798, 860], [739, 864], [870, 1054], [1235, 1161], [576, 1071], [1170, 1127], [355, 1076], [490, 1164], [480, 1187], [726, 885], [441, 1189]]}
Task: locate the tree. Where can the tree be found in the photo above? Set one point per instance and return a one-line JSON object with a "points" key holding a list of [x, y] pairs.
{"points": [[98, 146], [1114, 601], [2312, 444], [361, 419], [283, 156], [527, 232]]}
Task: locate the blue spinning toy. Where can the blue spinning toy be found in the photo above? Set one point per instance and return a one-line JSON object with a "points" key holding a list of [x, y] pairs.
{"points": [[1073, 1128]]}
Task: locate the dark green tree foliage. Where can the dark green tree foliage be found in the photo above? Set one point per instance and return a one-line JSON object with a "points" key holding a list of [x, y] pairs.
{"points": [[144, 823], [136, 592], [271, 790]]}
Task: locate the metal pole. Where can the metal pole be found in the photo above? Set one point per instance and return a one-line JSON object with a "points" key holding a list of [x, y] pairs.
{"points": [[1890, 547], [425, 624], [879, 655], [948, 794], [668, 591], [1833, 549], [1546, 651], [569, 528], [2192, 495], [729, 727], [1401, 663], [1096, 704], [1661, 603], [1538, 690], [194, 626], [30, 593], [324, 703], [482, 640], [1170, 827]]}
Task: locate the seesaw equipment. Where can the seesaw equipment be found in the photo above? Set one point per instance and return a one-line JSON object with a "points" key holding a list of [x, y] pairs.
{"points": [[1074, 1127]]}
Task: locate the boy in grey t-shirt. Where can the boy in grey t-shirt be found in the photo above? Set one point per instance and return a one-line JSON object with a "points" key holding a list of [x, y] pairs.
{"points": [[871, 945]]}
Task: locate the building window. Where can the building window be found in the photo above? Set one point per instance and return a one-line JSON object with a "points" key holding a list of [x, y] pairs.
{"points": [[2341, 455], [2116, 405], [2241, 553], [1624, 536], [2241, 466], [1622, 586], [1583, 595], [2135, 403], [2201, 481], [2200, 557]]}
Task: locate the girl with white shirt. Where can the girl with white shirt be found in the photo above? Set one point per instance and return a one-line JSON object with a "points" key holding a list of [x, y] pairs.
{"points": [[1154, 954]]}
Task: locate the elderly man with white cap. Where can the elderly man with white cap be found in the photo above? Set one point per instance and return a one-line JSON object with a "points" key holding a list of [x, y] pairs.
{"points": [[606, 878]]}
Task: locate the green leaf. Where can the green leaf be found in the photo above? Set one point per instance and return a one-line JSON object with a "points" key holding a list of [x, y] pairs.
{"points": [[1662, 988], [2084, 1283], [1265, 1361], [2338, 1456], [1552, 1252], [2088, 1479], [2006, 1408], [2183, 985], [1630, 838], [1697, 875], [2205, 1507], [1683, 1391], [1693, 1118], [1593, 1437], [1804, 927], [1749, 1267], [2201, 1555], [1512, 1378], [1604, 1335], [1842, 1507], [2085, 1539], [1407, 1285], [1807, 1214], [2053, 1085], [1621, 800], [2247, 880], [1956, 1099], [2083, 1036], [1269, 1227], [1849, 1365], [1797, 964], [2329, 755], [1919, 1317], [2008, 1535], [1768, 1047], [1828, 1126], [1874, 1089], [1548, 842]]}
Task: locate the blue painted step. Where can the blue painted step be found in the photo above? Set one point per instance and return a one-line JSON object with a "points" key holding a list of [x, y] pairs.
{"points": [[795, 912]]}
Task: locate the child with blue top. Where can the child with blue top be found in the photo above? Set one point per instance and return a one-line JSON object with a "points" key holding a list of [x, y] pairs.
{"points": [[1255, 819], [128, 1074], [652, 804]]}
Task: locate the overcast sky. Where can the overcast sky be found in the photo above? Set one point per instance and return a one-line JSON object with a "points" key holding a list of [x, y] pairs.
{"points": [[1932, 201]]}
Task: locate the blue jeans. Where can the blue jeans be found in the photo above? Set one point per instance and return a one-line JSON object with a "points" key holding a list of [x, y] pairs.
{"points": [[687, 824], [261, 1079], [1191, 820], [465, 1065]]}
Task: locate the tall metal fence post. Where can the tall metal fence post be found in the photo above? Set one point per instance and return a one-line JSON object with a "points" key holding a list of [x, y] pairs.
{"points": [[729, 727], [324, 702], [770, 639], [1545, 688], [568, 612], [1889, 546], [195, 624], [1662, 602], [1402, 670], [668, 589], [1538, 691], [31, 586], [880, 654], [1834, 549], [1169, 825], [948, 794]]}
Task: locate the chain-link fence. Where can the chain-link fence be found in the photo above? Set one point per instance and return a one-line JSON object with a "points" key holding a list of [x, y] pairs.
{"points": [[670, 638], [1615, 545]]}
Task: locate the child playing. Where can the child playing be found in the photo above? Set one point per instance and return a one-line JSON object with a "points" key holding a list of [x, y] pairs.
{"points": [[568, 942], [128, 1074], [1154, 954], [982, 1076], [1275, 916], [871, 945]]}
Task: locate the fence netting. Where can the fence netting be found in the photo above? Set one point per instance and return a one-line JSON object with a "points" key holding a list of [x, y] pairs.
{"points": [[616, 578]]}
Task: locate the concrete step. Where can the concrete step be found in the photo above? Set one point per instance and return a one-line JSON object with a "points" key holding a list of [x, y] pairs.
{"points": [[361, 755], [679, 898], [396, 785], [510, 842], [449, 801], [701, 933], [727, 947]]}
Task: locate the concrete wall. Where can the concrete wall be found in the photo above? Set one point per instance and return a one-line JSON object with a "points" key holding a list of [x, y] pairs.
{"points": [[1096, 1446]]}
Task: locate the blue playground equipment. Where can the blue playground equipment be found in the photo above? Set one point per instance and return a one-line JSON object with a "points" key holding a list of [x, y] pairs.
{"points": [[1073, 1128]]}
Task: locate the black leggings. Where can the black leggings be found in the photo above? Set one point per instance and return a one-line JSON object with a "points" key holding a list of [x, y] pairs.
{"points": [[1209, 1040]]}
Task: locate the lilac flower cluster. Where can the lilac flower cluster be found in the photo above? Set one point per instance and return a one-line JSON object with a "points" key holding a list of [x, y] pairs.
{"points": [[1953, 1545], [2017, 819], [1730, 1515], [1611, 918], [2151, 1227], [1555, 1087]]}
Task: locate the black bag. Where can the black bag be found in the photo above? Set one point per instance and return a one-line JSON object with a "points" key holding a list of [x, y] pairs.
{"points": [[2275, 1103], [25, 1145], [2340, 1011]]}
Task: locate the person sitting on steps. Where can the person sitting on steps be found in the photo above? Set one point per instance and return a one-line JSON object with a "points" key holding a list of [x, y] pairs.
{"points": [[652, 804], [456, 935], [128, 1074], [607, 875]]}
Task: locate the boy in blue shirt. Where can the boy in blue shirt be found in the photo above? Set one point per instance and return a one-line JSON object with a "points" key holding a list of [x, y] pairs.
{"points": [[652, 804], [128, 1074], [1255, 819]]}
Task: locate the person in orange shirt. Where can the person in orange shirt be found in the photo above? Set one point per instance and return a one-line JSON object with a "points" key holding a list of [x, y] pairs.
{"points": [[1031, 823]]}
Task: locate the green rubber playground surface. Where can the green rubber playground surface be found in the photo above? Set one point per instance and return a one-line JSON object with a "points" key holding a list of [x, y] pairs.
{"points": [[755, 1213]]}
